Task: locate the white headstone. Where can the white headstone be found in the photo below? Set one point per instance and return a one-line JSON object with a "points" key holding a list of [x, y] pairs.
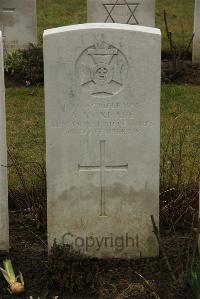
{"points": [[139, 12], [18, 22], [102, 89], [4, 232], [196, 42]]}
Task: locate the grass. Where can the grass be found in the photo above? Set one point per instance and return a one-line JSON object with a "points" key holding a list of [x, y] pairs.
{"points": [[179, 117], [180, 144], [180, 18], [25, 129], [57, 13]]}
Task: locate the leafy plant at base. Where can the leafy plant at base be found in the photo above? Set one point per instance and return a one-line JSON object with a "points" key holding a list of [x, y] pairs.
{"points": [[12, 61], [25, 66]]}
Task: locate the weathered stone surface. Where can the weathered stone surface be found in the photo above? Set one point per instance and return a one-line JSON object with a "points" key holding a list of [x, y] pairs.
{"points": [[196, 42], [18, 22], [102, 89], [4, 232], [140, 12]]}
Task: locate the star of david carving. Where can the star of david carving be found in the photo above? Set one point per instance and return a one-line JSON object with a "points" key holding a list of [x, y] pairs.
{"points": [[130, 9]]}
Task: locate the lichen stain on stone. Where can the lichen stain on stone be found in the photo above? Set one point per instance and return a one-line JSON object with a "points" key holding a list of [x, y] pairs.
{"points": [[127, 195]]}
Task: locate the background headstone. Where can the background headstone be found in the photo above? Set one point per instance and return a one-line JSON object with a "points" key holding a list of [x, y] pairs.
{"points": [[139, 12], [4, 231], [18, 22], [196, 42], [103, 137]]}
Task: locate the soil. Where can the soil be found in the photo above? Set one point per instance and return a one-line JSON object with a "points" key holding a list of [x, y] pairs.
{"points": [[10, 81], [113, 278], [186, 72], [28, 252]]}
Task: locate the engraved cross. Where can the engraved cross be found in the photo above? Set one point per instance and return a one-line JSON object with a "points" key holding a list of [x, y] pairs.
{"points": [[103, 168]]}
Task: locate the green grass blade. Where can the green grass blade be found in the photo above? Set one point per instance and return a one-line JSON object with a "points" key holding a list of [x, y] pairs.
{"points": [[9, 269]]}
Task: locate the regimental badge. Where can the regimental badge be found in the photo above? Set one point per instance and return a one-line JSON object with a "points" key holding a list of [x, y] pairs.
{"points": [[102, 70]]}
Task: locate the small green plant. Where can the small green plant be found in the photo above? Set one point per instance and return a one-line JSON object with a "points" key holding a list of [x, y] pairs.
{"points": [[25, 66], [16, 283], [12, 61], [194, 280]]}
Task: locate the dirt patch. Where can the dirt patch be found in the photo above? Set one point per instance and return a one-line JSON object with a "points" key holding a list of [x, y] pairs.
{"points": [[113, 278], [10, 81], [188, 73], [29, 255]]}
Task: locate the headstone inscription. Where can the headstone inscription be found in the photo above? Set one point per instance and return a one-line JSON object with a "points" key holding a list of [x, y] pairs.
{"points": [[102, 93], [4, 231], [139, 12], [18, 22], [196, 41]]}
